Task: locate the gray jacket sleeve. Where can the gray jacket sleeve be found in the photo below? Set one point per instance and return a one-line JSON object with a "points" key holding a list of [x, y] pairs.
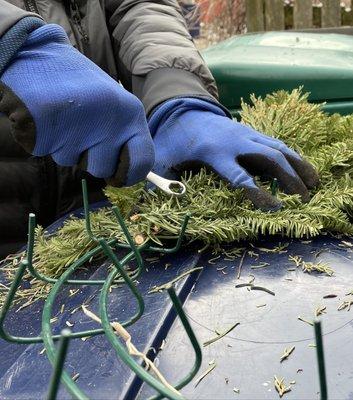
{"points": [[10, 15], [15, 26], [157, 59]]}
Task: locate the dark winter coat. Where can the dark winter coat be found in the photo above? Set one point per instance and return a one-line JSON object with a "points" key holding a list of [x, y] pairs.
{"points": [[144, 44]]}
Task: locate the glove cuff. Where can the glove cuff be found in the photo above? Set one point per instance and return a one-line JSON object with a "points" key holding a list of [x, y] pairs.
{"points": [[15, 38], [182, 104]]}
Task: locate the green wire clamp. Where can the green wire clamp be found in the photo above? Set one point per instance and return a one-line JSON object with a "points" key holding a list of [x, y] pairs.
{"points": [[130, 245], [320, 360], [59, 364], [48, 338], [274, 187]]}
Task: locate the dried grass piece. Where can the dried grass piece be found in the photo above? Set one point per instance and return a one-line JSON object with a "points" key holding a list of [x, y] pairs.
{"points": [[125, 335], [281, 386]]}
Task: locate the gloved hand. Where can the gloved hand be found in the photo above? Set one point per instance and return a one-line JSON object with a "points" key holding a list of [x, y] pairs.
{"points": [[62, 104], [193, 132]]}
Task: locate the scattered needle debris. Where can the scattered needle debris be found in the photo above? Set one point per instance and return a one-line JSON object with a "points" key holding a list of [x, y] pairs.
{"points": [[345, 304], [320, 310], [220, 335], [261, 265], [287, 353], [166, 285], [204, 374], [281, 386], [321, 267]]}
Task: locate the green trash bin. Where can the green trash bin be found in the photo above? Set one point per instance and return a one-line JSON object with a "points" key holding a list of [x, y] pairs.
{"points": [[266, 62]]}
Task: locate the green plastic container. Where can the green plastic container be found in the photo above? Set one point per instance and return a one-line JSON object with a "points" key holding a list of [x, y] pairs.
{"points": [[266, 62]]}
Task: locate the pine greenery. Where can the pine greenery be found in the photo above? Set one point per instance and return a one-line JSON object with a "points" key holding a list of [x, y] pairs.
{"points": [[219, 213]]}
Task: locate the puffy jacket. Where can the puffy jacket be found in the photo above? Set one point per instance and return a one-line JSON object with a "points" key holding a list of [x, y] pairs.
{"points": [[144, 44]]}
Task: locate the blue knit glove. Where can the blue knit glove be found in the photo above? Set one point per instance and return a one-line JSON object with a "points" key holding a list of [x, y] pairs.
{"points": [[191, 132], [62, 104]]}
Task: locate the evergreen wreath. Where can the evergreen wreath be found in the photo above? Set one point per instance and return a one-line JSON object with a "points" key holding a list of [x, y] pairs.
{"points": [[221, 214]]}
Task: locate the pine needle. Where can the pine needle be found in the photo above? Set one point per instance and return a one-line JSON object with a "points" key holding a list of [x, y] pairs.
{"points": [[320, 310], [204, 374], [345, 304], [220, 335], [168, 284], [287, 353], [312, 267], [241, 264]]}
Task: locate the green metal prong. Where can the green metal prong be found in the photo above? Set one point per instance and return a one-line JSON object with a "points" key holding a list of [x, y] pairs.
{"points": [[179, 241], [120, 269], [86, 211], [274, 186], [320, 360], [30, 240], [194, 342], [126, 232], [59, 364]]}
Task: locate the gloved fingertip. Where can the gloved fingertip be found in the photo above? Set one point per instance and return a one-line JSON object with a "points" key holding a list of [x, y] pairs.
{"points": [[305, 197], [312, 178], [306, 171], [262, 199]]}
